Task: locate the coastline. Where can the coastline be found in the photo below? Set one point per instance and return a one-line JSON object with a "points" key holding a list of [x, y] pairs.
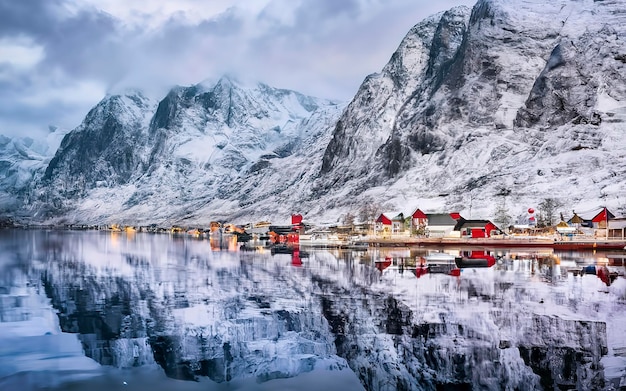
{"points": [[583, 244]]}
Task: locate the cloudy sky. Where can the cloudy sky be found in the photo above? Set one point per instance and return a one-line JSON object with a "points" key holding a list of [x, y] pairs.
{"points": [[58, 58]]}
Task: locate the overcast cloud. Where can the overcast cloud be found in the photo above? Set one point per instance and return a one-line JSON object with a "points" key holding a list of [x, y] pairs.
{"points": [[58, 58]]}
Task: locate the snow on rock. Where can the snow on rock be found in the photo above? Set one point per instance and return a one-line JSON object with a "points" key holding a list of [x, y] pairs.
{"points": [[23, 160], [523, 97], [137, 161], [515, 100]]}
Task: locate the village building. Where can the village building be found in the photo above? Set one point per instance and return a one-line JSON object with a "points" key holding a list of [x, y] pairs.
{"points": [[441, 225], [418, 222], [595, 226], [388, 224], [475, 228], [617, 228], [397, 224], [600, 221]]}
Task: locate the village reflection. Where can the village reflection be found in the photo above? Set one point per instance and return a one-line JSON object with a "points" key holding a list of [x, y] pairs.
{"points": [[546, 263]]}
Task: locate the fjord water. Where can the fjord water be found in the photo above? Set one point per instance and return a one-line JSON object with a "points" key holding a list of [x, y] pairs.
{"points": [[89, 310]]}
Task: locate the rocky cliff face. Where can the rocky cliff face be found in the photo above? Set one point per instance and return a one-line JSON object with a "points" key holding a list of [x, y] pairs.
{"points": [[136, 160], [517, 97], [514, 101], [105, 150], [420, 342], [22, 161]]}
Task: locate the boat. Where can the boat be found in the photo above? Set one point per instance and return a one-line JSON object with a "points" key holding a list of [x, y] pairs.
{"points": [[322, 239], [441, 268], [475, 259], [357, 246], [439, 257]]}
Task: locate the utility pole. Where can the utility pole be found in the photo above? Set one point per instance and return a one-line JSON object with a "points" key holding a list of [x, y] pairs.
{"points": [[606, 216]]}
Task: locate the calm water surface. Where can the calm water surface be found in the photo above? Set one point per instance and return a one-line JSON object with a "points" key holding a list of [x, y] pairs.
{"points": [[108, 311]]}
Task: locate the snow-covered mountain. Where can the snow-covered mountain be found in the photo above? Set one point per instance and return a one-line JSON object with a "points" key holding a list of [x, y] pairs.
{"points": [[23, 160], [193, 156], [513, 101], [517, 97]]}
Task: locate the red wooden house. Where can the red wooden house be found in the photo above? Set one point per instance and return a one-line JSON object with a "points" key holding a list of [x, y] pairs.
{"points": [[601, 219], [419, 220], [383, 224], [475, 228], [390, 223]]}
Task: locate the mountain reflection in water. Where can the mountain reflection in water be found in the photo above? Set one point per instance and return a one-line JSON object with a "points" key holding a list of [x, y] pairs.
{"points": [[103, 310]]}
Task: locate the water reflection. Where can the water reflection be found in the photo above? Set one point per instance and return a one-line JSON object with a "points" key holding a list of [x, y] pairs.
{"points": [[100, 309]]}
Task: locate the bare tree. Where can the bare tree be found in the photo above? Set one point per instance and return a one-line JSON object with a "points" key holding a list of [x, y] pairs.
{"points": [[502, 218], [548, 209], [348, 219], [369, 211]]}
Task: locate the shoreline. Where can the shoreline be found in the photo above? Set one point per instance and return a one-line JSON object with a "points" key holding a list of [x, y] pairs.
{"points": [[587, 244], [405, 241]]}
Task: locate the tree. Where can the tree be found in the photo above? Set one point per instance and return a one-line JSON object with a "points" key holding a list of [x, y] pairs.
{"points": [[548, 210], [369, 211], [348, 219], [501, 216]]}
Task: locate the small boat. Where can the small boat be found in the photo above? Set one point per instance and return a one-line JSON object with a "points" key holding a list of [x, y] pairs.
{"points": [[358, 246], [439, 258], [323, 239], [441, 268], [484, 261]]}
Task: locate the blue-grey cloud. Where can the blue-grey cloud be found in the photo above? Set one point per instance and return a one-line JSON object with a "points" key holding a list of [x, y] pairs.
{"points": [[320, 47]]}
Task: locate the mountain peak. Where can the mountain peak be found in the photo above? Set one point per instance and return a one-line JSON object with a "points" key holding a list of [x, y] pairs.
{"points": [[518, 97], [226, 81], [465, 97]]}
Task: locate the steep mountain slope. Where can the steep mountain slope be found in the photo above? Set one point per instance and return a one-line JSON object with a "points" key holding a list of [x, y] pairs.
{"points": [[106, 150], [518, 98], [510, 102], [190, 157], [22, 160]]}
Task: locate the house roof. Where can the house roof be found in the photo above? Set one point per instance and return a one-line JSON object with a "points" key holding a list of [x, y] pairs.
{"points": [[440, 219], [398, 217], [604, 215], [391, 216], [384, 218], [462, 223], [576, 219], [418, 214]]}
